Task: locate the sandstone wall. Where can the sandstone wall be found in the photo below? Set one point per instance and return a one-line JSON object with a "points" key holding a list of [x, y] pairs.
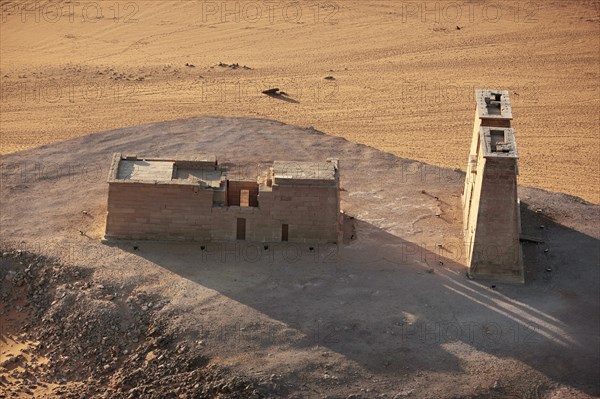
{"points": [[495, 248], [164, 211], [491, 214]]}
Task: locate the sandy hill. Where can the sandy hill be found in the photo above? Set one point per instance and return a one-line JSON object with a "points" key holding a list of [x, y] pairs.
{"points": [[391, 313]]}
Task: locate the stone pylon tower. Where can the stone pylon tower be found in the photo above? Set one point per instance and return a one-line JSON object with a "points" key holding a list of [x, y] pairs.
{"points": [[491, 214]]}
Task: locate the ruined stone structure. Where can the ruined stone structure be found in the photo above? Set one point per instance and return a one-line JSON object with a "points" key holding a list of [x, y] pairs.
{"points": [[197, 199], [491, 214]]}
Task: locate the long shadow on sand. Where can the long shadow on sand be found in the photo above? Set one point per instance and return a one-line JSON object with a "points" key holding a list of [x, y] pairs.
{"points": [[396, 308], [283, 97]]}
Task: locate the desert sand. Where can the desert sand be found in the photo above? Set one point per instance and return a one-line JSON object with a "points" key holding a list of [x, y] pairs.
{"points": [[402, 77], [388, 313]]}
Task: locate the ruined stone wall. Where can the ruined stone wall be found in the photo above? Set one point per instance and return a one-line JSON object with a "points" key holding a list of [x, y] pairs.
{"points": [[166, 211], [471, 209], [471, 174], [158, 211], [494, 222], [235, 187], [491, 214], [312, 212]]}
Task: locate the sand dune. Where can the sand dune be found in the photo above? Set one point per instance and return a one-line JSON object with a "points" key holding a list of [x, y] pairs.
{"points": [[403, 78]]}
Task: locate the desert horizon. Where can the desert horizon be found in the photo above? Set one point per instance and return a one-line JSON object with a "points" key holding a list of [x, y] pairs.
{"points": [[398, 76]]}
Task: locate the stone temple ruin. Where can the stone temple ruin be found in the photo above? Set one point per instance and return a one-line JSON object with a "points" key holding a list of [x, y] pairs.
{"points": [[197, 199], [491, 211]]}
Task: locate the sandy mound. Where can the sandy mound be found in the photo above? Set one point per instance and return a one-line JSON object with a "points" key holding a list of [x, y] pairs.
{"points": [[389, 315]]}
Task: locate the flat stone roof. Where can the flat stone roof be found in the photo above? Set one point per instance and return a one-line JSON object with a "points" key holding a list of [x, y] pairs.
{"points": [[294, 170], [206, 172], [498, 142], [210, 178], [145, 170], [189, 170], [493, 104]]}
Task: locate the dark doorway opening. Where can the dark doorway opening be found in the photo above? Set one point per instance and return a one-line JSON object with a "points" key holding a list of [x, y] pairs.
{"points": [[241, 228], [284, 232]]}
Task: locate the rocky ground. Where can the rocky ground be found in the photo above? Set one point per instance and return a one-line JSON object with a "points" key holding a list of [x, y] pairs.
{"points": [[75, 338]]}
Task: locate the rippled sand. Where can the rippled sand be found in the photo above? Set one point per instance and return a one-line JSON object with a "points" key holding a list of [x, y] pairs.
{"points": [[402, 78]]}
